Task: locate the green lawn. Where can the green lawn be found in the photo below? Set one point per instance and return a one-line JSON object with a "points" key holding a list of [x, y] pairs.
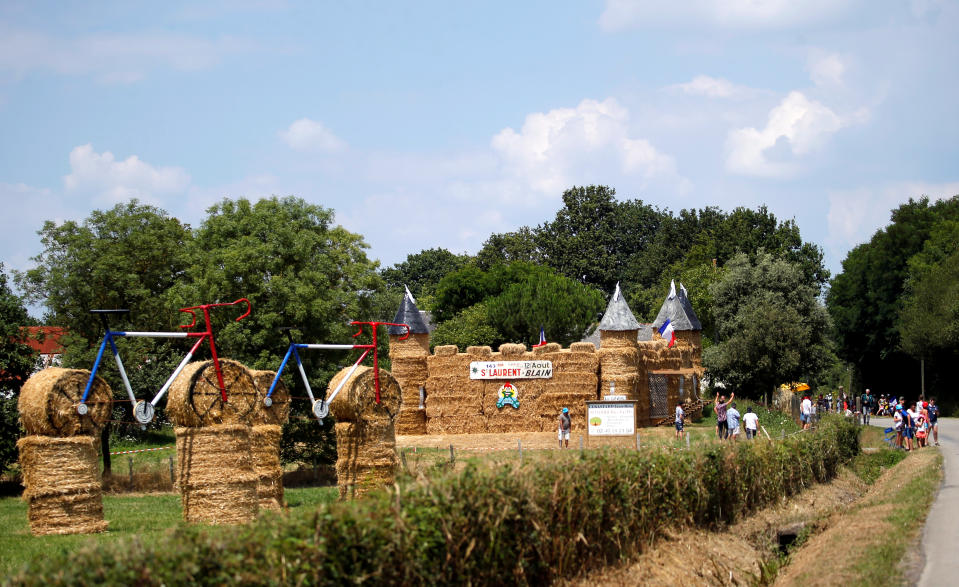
{"points": [[144, 516]]}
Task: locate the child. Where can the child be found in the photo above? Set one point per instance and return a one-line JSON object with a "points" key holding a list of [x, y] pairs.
{"points": [[921, 431]]}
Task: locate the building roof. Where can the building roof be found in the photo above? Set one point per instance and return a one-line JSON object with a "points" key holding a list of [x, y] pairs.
{"points": [[618, 316], [410, 315], [50, 345], [678, 310]]}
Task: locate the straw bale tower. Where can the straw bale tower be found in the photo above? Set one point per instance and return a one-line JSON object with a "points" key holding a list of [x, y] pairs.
{"points": [[409, 365], [619, 353], [265, 439], [682, 365]]}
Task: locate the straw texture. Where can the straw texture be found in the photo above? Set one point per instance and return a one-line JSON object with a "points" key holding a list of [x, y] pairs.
{"points": [[410, 370], [195, 395], [278, 413], [215, 474], [61, 485], [265, 448], [365, 431], [48, 403]]}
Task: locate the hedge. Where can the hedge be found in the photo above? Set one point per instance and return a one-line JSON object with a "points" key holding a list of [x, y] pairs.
{"points": [[479, 526]]}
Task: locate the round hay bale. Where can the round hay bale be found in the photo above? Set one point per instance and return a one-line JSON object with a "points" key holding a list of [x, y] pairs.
{"points": [[279, 412], [49, 399], [62, 487], [357, 399], [195, 399], [617, 338], [582, 347], [479, 351], [366, 456], [447, 350], [550, 347], [215, 474], [512, 349], [265, 448]]}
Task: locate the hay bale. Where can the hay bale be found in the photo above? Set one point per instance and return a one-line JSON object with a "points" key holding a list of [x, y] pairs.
{"points": [[582, 347], [61, 481], [278, 413], [455, 404], [482, 352], [215, 474], [409, 367], [49, 399], [195, 395], [357, 398], [365, 456], [447, 350], [617, 338], [415, 345], [265, 449], [550, 347], [510, 350]]}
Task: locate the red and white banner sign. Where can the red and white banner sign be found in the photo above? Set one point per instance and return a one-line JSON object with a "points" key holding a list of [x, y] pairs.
{"points": [[511, 370]]}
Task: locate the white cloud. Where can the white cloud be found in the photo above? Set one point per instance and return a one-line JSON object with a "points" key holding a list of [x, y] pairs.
{"points": [[556, 149], [798, 123], [113, 58], [711, 87], [307, 135], [731, 14], [826, 69], [855, 214], [102, 175]]}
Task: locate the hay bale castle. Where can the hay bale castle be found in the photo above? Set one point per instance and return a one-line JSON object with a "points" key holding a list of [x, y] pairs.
{"points": [[58, 457], [409, 365], [520, 390]]}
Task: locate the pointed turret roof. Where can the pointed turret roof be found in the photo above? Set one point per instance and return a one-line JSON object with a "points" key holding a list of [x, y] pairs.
{"points": [[410, 315], [618, 316], [678, 310]]}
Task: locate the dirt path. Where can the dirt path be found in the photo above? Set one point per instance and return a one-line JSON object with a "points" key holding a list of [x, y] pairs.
{"points": [[732, 557]]}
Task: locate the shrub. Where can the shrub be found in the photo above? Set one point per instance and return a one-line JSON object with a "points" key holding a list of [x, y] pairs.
{"points": [[479, 526]]}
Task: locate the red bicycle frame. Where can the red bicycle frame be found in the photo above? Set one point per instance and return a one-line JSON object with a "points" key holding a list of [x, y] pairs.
{"points": [[209, 333], [376, 362]]}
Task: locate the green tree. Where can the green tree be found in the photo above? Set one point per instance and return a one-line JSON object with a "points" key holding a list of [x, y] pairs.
{"points": [[422, 271], [297, 269], [460, 290], [771, 325], [17, 361], [470, 327], [866, 298], [500, 249], [565, 308]]}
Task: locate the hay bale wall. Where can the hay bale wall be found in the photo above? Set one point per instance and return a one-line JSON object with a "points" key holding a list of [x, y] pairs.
{"points": [[365, 431], [215, 474], [411, 372], [454, 402], [194, 399], [49, 399], [62, 487]]}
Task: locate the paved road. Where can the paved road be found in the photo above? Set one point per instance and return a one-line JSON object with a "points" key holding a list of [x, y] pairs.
{"points": [[940, 537]]}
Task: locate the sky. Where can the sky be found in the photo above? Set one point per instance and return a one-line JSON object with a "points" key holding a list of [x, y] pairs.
{"points": [[436, 124]]}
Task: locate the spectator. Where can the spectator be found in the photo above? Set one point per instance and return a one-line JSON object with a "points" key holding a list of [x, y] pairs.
{"points": [[680, 417], [751, 422], [805, 412], [908, 433], [933, 410], [720, 403], [867, 404], [732, 418], [897, 424], [565, 424]]}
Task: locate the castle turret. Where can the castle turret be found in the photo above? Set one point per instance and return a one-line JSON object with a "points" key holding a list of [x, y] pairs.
{"points": [[681, 366], [409, 365], [618, 352]]}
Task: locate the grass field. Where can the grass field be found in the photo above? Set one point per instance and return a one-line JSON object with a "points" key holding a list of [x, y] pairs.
{"points": [[143, 516]]}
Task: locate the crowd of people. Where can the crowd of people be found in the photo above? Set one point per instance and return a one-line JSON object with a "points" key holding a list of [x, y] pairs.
{"points": [[916, 424], [730, 424]]}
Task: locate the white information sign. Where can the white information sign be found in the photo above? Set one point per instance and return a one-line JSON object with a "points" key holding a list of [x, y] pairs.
{"points": [[511, 369], [611, 419]]}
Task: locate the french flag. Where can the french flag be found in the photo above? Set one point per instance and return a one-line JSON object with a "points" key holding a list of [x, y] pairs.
{"points": [[542, 338], [668, 332]]}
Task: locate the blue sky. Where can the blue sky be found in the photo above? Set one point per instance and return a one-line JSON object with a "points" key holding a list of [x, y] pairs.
{"points": [[435, 124]]}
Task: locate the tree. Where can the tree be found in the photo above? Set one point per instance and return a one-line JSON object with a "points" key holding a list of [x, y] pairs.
{"points": [[421, 272], [17, 361], [297, 269], [865, 299], [460, 290], [771, 325], [508, 247], [564, 308], [471, 327]]}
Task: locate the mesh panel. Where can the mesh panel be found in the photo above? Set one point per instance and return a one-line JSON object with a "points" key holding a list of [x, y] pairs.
{"points": [[682, 387], [657, 397]]}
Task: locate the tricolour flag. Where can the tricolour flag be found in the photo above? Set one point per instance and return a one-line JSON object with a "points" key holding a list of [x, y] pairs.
{"points": [[668, 332], [542, 338]]}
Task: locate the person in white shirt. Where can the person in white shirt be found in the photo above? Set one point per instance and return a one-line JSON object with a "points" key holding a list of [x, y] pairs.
{"points": [[805, 412], [751, 421], [680, 417]]}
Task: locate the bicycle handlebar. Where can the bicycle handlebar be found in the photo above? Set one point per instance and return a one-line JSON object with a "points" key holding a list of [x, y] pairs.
{"points": [[206, 307], [374, 326]]}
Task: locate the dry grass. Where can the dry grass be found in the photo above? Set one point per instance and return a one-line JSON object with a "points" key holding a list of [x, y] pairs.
{"points": [[48, 403], [215, 474]]}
